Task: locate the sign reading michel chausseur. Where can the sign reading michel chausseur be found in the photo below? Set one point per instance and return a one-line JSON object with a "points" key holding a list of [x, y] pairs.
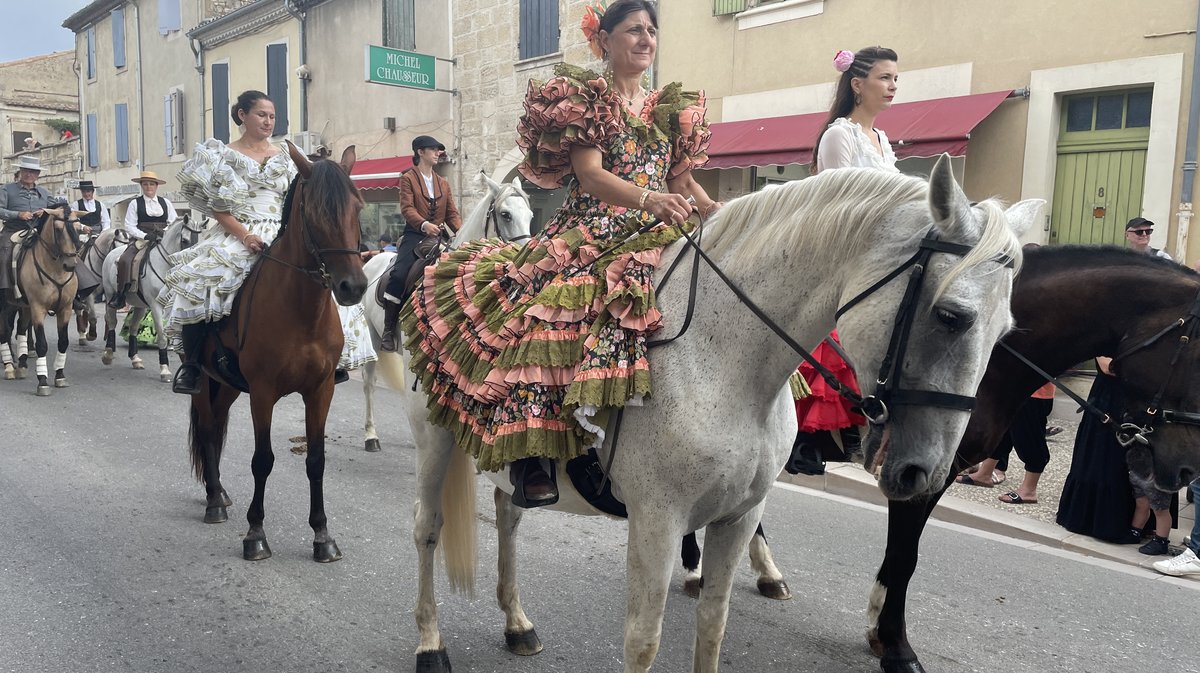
{"points": [[400, 68]]}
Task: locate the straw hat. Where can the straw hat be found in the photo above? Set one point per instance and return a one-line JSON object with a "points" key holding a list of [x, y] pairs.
{"points": [[29, 163], [149, 175]]}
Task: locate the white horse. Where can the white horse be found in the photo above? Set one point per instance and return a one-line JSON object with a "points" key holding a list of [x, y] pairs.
{"points": [[91, 274], [504, 213], [150, 283], [705, 449]]}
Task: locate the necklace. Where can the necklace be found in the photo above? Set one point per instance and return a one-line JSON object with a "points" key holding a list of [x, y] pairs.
{"points": [[628, 100]]}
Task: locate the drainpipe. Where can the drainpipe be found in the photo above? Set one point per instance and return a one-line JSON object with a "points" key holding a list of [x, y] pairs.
{"points": [[302, 17], [1184, 216], [198, 52], [137, 25]]}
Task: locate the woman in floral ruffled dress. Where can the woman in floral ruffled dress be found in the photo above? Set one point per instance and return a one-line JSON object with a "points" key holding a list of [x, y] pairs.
{"points": [[242, 186], [523, 349]]}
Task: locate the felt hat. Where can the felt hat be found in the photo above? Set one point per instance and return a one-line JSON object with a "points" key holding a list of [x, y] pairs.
{"points": [[149, 175], [29, 163], [86, 184]]}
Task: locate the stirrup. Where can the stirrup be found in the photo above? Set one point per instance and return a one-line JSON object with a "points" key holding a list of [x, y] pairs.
{"points": [[340, 376], [518, 496], [387, 341], [180, 386]]}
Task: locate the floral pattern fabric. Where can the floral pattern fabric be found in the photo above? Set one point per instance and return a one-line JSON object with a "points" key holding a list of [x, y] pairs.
{"points": [[524, 349]]}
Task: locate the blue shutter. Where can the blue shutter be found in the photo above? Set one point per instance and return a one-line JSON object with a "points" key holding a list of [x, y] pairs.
{"points": [[168, 16], [118, 37], [91, 52], [539, 28], [220, 101], [122, 132], [93, 143], [168, 125], [277, 85]]}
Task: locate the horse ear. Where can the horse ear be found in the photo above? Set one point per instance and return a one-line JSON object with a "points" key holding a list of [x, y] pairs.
{"points": [[1022, 215], [492, 184], [302, 163], [949, 205], [516, 183], [349, 156]]}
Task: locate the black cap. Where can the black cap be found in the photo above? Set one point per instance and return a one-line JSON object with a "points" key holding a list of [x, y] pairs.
{"points": [[421, 142], [1138, 222], [86, 184]]}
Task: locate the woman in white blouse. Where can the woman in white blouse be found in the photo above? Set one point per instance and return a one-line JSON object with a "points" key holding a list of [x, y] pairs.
{"points": [[865, 89]]}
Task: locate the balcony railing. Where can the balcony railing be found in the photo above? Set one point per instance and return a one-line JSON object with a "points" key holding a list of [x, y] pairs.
{"points": [[723, 7]]}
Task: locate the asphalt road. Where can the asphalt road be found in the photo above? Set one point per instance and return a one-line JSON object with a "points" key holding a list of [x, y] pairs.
{"points": [[106, 565]]}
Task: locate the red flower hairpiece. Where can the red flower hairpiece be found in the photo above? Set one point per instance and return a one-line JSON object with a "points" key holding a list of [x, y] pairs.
{"points": [[590, 25]]}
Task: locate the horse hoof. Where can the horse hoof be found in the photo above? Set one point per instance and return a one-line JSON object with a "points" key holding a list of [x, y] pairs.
{"points": [[165, 378], [43, 391], [875, 644], [434, 661], [216, 514], [82, 342], [137, 364], [692, 586], [107, 357], [525, 644], [61, 383], [22, 372], [326, 552], [255, 550], [10, 374], [775, 590], [373, 445], [910, 666]]}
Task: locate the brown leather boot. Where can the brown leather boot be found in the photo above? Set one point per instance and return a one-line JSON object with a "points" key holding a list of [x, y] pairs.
{"points": [[391, 314], [534, 486]]}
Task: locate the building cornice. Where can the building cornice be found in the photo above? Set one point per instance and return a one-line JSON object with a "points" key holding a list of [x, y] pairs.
{"points": [[245, 20], [90, 15]]}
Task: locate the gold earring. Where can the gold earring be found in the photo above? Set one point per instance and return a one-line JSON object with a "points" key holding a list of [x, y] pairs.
{"points": [[857, 98]]}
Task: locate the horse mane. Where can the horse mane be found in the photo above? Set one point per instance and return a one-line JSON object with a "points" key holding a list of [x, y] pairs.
{"points": [[1103, 255], [328, 194], [838, 210]]}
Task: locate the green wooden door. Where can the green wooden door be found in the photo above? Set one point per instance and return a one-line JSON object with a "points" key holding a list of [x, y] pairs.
{"points": [[1099, 176]]}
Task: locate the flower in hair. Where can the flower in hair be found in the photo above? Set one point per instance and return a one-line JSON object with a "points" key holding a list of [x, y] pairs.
{"points": [[843, 60], [590, 25]]}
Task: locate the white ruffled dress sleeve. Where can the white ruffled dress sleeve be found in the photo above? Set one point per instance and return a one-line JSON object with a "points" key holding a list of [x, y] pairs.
{"points": [[209, 181]]}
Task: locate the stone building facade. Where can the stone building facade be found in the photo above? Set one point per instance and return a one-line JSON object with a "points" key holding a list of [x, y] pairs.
{"points": [[33, 90]]}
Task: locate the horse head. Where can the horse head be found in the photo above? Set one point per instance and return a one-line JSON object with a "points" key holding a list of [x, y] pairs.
{"points": [[324, 204], [509, 213], [932, 352], [59, 233]]}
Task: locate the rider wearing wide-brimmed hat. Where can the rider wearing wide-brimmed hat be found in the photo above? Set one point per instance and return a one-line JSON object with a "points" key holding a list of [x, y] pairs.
{"points": [[21, 202], [148, 214], [96, 220]]}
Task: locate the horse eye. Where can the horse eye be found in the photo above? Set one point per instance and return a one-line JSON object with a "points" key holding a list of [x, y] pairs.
{"points": [[950, 319], [506, 215]]}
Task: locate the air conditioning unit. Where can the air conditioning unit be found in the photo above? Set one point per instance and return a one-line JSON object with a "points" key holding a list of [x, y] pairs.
{"points": [[307, 141]]}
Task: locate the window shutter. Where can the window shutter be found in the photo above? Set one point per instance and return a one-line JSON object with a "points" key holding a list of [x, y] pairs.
{"points": [[168, 126], [118, 36], [539, 28], [277, 85], [220, 99], [168, 16], [722, 7], [122, 110], [93, 144], [179, 138], [91, 52]]}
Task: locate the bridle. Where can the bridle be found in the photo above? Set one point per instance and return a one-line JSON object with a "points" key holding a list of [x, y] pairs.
{"points": [[56, 253], [320, 275], [490, 224]]}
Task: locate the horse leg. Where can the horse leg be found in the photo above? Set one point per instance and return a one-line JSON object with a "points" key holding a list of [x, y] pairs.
{"points": [[690, 555], [110, 334], [316, 410], [134, 324], [164, 355], [723, 544], [519, 634], [770, 580], [7, 318], [262, 408], [60, 358], [888, 633], [372, 439], [90, 312], [24, 329], [41, 348], [206, 439], [652, 535]]}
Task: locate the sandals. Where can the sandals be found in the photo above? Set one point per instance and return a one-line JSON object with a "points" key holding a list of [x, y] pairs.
{"points": [[1013, 498], [967, 480]]}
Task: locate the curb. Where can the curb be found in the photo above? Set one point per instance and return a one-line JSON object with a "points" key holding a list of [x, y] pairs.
{"points": [[851, 481]]}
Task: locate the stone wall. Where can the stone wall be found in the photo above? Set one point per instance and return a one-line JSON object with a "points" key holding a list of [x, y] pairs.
{"points": [[33, 90], [61, 164]]}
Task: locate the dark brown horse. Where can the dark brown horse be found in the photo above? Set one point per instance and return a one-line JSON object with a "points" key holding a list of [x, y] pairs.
{"points": [[1071, 303], [283, 337]]}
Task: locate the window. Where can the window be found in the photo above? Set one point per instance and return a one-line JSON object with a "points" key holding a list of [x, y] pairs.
{"points": [[1108, 111], [399, 24], [118, 36], [220, 99], [277, 85], [539, 28], [723, 7], [93, 143], [169, 16], [91, 52], [18, 138], [122, 123], [173, 123]]}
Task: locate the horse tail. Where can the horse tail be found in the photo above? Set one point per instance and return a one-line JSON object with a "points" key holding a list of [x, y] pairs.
{"points": [[391, 368], [195, 444], [202, 435], [458, 527]]}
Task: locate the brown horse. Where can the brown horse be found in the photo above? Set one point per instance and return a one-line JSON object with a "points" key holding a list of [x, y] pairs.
{"points": [[283, 337], [45, 277]]}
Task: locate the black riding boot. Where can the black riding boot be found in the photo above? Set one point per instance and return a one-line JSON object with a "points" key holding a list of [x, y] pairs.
{"points": [[806, 455], [391, 314], [118, 300], [187, 379], [534, 486]]}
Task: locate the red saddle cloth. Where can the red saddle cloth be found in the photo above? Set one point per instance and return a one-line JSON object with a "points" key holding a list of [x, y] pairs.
{"points": [[825, 409]]}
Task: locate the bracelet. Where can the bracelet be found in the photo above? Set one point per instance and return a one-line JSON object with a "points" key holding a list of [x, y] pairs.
{"points": [[642, 201], [712, 207], [248, 235]]}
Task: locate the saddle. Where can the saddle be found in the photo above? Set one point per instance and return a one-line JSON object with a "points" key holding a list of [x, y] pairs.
{"points": [[427, 252]]}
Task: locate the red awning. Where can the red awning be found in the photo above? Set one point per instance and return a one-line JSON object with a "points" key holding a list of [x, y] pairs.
{"points": [[921, 129], [380, 173]]}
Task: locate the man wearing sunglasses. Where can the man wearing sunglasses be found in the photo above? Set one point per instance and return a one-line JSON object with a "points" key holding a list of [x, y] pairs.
{"points": [[1137, 237]]}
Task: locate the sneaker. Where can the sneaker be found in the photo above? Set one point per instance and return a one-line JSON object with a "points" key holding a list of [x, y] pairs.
{"points": [[1184, 564], [1133, 537], [1157, 546]]}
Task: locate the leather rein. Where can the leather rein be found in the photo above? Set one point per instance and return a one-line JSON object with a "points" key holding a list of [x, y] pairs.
{"points": [[320, 275]]}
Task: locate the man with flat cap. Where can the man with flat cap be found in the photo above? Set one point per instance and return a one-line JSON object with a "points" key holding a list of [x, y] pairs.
{"points": [[21, 204], [1137, 236], [425, 205], [96, 220]]}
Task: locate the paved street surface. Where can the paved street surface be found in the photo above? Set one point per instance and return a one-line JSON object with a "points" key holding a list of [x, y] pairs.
{"points": [[108, 567]]}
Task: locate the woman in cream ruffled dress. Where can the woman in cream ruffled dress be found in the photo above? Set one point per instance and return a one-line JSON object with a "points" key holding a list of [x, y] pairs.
{"points": [[242, 186]]}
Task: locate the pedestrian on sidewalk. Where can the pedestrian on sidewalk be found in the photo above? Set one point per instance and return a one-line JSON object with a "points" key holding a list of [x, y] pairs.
{"points": [[1186, 563], [1027, 435], [1147, 498]]}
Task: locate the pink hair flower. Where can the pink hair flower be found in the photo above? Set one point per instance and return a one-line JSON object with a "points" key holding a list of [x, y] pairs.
{"points": [[842, 60]]}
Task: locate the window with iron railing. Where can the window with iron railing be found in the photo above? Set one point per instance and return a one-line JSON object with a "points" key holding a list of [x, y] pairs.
{"points": [[724, 7]]}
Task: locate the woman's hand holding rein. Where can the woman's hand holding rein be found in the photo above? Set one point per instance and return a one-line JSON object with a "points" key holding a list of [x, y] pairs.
{"points": [[672, 208]]}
